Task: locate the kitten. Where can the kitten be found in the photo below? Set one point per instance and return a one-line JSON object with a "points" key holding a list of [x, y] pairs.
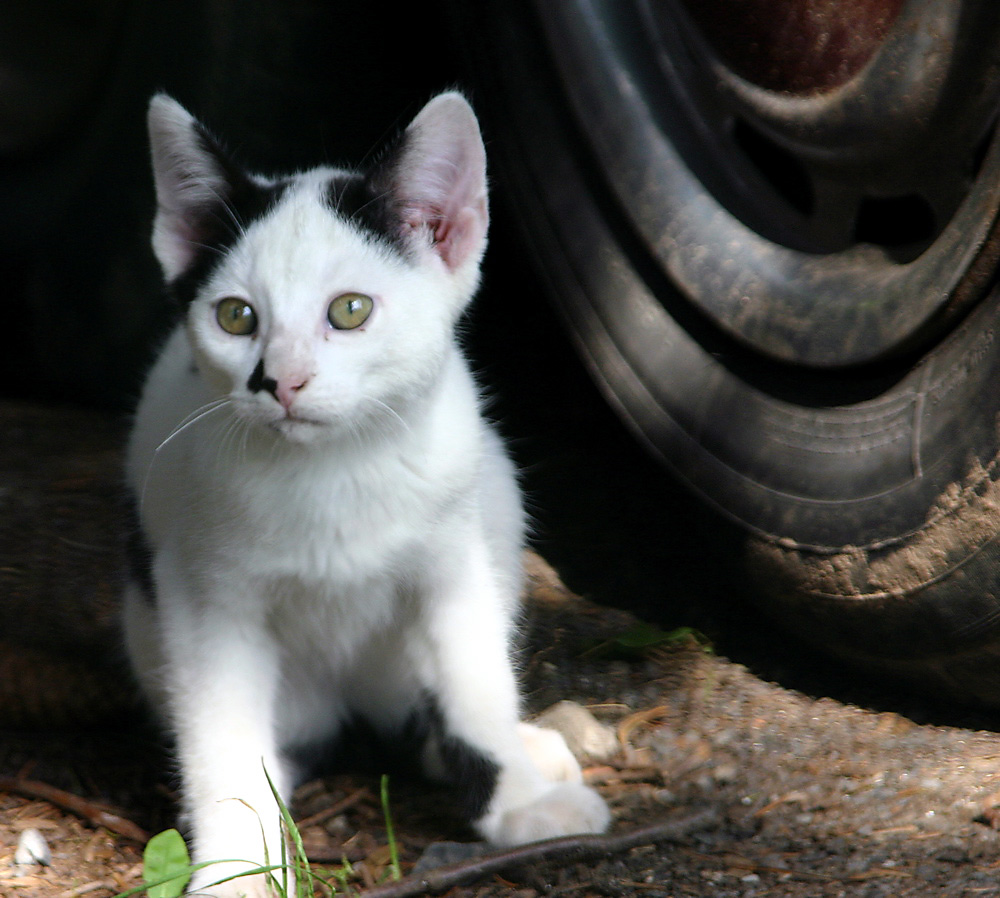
{"points": [[329, 532]]}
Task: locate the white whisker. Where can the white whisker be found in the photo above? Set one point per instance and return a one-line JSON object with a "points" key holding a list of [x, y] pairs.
{"points": [[392, 412], [193, 418], [227, 438], [236, 225]]}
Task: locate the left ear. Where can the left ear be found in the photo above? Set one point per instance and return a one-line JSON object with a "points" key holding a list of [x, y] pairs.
{"points": [[438, 180]]}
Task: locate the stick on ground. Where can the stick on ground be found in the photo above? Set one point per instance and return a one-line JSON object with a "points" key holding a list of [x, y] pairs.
{"points": [[566, 849], [74, 804]]}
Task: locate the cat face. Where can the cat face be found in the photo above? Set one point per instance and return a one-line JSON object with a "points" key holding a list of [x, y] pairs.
{"points": [[325, 301]]}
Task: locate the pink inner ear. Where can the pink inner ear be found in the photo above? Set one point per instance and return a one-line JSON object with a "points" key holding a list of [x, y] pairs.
{"points": [[175, 241], [457, 237], [456, 232]]}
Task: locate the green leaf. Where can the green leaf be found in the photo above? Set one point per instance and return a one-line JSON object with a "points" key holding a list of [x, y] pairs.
{"points": [[644, 637], [166, 865]]}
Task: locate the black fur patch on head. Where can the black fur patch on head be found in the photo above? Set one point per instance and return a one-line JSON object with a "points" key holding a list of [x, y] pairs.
{"points": [[138, 554], [357, 199], [221, 224]]}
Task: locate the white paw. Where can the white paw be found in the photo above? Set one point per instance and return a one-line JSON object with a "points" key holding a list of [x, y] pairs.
{"points": [[565, 809], [551, 755]]}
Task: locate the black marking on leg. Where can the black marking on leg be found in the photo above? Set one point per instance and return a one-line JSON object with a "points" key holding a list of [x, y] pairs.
{"points": [[473, 773], [360, 745], [138, 554], [260, 381], [467, 768]]}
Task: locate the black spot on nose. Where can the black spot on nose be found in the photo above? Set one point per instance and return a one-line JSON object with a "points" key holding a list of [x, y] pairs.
{"points": [[260, 381]]}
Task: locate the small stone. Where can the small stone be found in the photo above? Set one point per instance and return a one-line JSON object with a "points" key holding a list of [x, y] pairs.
{"points": [[725, 773], [588, 739], [441, 854], [32, 849]]}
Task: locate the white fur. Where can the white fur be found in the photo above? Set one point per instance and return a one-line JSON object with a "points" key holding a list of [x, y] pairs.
{"points": [[347, 553]]}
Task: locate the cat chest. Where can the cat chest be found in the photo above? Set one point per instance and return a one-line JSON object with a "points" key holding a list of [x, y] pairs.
{"points": [[334, 537]]}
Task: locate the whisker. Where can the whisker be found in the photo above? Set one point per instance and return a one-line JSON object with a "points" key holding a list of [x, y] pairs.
{"points": [[392, 412], [235, 225], [242, 430], [375, 199], [189, 420], [208, 247], [227, 438]]}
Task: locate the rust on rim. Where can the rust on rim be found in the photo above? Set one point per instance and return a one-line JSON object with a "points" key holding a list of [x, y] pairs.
{"points": [[795, 46]]}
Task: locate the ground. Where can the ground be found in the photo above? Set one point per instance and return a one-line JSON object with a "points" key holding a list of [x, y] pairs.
{"points": [[773, 792]]}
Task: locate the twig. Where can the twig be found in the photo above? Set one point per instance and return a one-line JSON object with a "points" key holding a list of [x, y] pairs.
{"points": [[339, 807], [105, 884], [567, 848], [74, 804]]}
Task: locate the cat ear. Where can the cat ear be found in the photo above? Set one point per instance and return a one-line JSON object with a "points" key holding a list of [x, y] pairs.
{"points": [[190, 180], [439, 180]]}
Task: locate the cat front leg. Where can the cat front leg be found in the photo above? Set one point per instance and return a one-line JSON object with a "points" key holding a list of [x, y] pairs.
{"points": [[480, 744], [223, 685]]}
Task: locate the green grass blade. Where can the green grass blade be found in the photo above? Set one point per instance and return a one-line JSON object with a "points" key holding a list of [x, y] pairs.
{"points": [[389, 832], [300, 863]]}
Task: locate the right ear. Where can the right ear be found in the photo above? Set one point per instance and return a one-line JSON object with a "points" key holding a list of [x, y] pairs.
{"points": [[191, 185]]}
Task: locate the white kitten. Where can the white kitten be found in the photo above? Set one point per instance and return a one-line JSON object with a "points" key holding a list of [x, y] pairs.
{"points": [[328, 530]]}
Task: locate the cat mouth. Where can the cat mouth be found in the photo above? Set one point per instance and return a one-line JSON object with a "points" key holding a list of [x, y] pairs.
{"points": [[295, 426], [295, 421]]}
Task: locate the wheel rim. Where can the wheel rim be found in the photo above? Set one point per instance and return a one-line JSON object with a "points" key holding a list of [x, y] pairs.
{"points": [[807, 226]]}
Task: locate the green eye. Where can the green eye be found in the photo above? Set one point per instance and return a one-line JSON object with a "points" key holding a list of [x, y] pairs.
{"points": [[235, 316], [350, 310]]}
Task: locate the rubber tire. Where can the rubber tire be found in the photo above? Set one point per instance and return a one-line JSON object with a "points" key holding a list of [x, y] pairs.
{"points": [[869, 498]]}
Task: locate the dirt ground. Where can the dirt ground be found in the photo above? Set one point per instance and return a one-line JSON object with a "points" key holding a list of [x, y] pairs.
{"points": [[775, 793]]}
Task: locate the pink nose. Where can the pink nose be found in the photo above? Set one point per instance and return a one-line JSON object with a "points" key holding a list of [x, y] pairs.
{"points": [[286, 390]]}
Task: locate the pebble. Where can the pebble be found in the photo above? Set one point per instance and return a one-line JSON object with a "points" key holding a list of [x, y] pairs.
{"points": [[32, 849], [587, 738], [441, 854]]}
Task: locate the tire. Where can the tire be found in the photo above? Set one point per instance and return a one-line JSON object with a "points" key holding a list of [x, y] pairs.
{"points": [[788, 295]]}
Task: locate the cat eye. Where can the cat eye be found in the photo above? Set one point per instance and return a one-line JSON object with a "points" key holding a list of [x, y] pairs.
{"points": [[350, 310], [235, 316]]}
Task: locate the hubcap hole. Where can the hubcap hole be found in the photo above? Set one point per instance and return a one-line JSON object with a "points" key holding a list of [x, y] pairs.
{"points": [[895, 222], [786, 174]]}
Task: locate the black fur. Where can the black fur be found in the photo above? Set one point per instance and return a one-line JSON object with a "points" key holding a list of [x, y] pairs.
{"points": [[359, 745], [472, 772], [360, 200], [260, 381]]}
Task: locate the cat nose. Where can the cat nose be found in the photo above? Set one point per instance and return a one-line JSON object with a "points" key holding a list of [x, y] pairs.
{"points": [[284, 391]]}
